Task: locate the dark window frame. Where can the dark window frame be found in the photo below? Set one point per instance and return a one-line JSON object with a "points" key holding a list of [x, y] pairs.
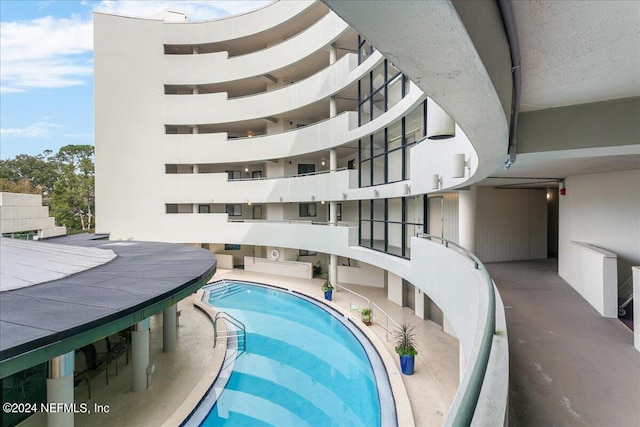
{"points": [[233, 209], [304, 210]]}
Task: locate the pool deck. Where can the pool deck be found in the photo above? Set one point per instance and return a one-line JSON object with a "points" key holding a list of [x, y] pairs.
{"points": [[431, 389]]}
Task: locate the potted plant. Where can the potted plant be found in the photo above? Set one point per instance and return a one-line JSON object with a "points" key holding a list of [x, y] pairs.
{"points": [[405, 347], [365, 316], [327, 288]]}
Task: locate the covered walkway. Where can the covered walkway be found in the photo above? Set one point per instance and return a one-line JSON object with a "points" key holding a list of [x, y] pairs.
{"points": [[568, 365]]}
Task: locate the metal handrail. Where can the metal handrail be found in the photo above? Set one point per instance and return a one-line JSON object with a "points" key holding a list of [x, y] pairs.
{"points": [[226, 286], [265, 178], [371, 305], [353, 293], [294, 221], [469, 401], [226, 316], [388, 318]]}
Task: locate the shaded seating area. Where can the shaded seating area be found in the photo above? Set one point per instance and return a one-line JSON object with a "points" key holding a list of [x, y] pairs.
{"points": [[91, 360]]}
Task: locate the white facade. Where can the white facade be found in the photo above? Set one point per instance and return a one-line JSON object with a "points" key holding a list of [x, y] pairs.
{"points": [[280, 139], [197, 100], [24, 212]]}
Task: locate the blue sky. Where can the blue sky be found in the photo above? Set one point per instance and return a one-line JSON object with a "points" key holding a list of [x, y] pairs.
{"points": [[46, 66]]}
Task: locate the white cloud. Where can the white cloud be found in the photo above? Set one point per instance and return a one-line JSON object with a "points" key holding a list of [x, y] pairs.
{"points": [[36, 130], [45, 53], [53, 52]]}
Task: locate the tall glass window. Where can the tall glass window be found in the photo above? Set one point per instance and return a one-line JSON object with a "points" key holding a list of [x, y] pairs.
{"points": [[387, 225], [384, 156], [379, 90], [364, 50]]}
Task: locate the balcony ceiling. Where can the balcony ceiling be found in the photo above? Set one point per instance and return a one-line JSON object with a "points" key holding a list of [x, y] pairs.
{"points": [[572, 52]]}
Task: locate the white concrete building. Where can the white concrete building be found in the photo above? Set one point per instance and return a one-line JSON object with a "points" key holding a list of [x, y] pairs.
{"points": [[234, 137], [23, 213], [280, 138]]}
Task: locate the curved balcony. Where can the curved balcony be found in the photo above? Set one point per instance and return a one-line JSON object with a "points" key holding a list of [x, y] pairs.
{"points": [[217, 148], [217, 108], [321, 186], [217, 228], [218, 67], [324, 135], [239, 26]]}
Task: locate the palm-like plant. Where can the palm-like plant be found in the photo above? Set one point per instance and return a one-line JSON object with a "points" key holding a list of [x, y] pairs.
{"points": [[405, 340]]}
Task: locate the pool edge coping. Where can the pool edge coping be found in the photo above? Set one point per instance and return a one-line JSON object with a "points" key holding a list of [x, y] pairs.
{"points": [[210, 374], [404, 413]]}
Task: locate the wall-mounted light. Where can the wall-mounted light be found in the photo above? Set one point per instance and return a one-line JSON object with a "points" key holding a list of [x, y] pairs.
{"points": [[313, 197], [246, 169], [249, 203], [440, 125], [376, 193], [322, 202], [249, 134], [436, 182], [322, 163], [407, 189], [459, 166], [344, 196]]}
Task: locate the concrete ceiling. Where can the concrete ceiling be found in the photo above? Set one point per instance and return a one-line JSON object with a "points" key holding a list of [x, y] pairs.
{"points": [[572, 52], [577, 52]]}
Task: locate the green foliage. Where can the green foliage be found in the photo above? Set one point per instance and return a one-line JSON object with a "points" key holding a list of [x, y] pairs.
{"points": [[22, 186], [66, 181], [406, 340], [39, 171], [327, 285], [366, 312]]}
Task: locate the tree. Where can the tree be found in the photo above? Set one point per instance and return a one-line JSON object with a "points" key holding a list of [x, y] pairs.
{"points": [[22, 186], [40, 171], [72, 201], [65, 180]]}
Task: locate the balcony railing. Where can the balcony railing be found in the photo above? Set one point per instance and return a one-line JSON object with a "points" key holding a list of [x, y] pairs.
{"points": [[294, 221], [263, 178], [467, 408]]}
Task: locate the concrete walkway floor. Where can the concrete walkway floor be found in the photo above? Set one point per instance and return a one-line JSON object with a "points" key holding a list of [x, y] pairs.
{"points": [[568, 365]]}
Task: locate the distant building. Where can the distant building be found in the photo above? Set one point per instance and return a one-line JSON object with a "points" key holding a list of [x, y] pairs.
{"points": [[24, 214]]}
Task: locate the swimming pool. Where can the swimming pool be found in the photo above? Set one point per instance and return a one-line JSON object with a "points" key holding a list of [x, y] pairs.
{"points": [[303, 365]]}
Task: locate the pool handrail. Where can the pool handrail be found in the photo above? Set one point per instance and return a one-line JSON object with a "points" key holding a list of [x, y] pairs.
{"points": [[371, 305], [469, 402], [240, 328]]}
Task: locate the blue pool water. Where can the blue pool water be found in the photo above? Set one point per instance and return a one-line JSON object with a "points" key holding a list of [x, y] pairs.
{"points": [[302, 366]]}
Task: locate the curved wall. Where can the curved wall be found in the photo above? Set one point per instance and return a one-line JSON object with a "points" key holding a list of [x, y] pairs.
{"points": [[235, 27], [217, 67], [217, 108], [430, 43], [132, 149], [188, 188]]}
